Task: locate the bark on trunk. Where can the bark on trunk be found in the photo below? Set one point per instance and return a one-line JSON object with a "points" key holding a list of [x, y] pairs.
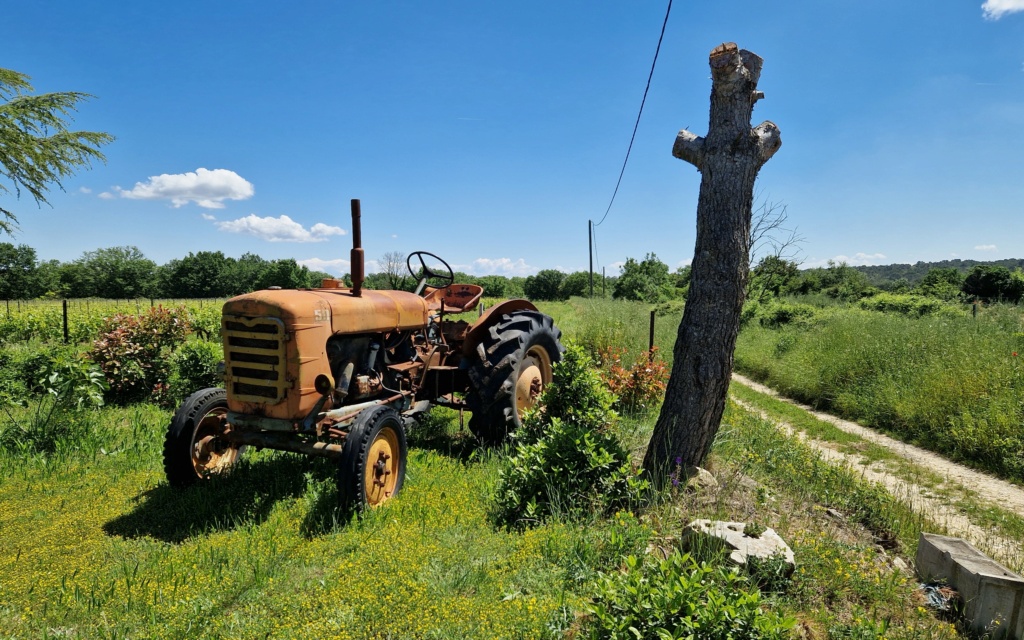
{"points": [[729, 159]]}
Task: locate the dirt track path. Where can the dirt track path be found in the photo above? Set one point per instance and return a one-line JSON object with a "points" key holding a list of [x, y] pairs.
{"points": [[987, 489]]}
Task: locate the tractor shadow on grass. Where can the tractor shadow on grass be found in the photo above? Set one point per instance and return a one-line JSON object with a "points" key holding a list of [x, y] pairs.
{"points": [[242, 498]]}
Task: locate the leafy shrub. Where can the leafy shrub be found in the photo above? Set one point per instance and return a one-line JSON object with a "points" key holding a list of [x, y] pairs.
{"points": [[637, 387], [70, 386], [907, 305], [194, 367], [23, 366], [205, 321], [134, 351], [778, 313], [751, 311], [566, 459], [670, 308], [679, 598]]}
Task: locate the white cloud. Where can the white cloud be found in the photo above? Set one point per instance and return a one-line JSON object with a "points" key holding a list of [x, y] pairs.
{"points": [[985, 247], [106, 195], [282, 229], [684, 263], [207, 216], [337, 267], [995, 9], [208, 189], [85, 190], [498, 267], [859, 259]]}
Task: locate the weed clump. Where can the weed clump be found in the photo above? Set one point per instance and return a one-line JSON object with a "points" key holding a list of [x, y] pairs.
{"points": [[193, 366], [566, 459], [59, 418], [903, 304], [637, 387], [677, 597]]}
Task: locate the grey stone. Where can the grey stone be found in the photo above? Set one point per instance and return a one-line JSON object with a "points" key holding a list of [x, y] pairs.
{"points": [[900, 565], [739, 545], [698, 478], [993, 595]]}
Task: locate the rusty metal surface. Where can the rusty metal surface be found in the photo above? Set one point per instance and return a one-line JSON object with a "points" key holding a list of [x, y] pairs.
{"points": [[373, 311], [283, 442], [309, 318], [457, 298], [306, 320]]}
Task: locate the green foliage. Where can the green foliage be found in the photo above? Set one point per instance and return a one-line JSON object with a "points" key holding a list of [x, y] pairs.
{"points": [[647, 280], [546, 285], [840, 281], [567, 460], [679, 598], [36, 148], [770, 277], [134, 351], [945, 380], [55, 420], [907, 305], [194, 367], [115, 272], [989, 283], [777, 313], [17, 271], [578, 284], [944, 284]]}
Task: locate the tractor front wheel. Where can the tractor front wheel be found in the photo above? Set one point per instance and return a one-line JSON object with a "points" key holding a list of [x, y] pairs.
{"points": [[513, 365], [194, 448], [372, 465]]}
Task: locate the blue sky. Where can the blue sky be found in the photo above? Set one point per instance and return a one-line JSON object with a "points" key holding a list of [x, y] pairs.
{"points": [[489, 133]]}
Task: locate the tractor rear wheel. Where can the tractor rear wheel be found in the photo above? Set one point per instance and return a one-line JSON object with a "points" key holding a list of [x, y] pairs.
{"points": [[193, 449], [512, 367], [372, 465]]}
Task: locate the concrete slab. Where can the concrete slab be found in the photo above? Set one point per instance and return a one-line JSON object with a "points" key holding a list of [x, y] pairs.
{"points": [[993, 595]]}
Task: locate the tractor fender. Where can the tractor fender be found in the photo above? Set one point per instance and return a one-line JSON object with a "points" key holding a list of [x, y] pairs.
{"points": [[492, 316]]}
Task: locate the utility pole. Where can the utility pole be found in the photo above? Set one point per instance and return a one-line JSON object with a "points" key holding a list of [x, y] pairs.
{"points": [[590, 248]]}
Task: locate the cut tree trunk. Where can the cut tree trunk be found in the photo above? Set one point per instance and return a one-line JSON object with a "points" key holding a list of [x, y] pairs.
{"points": [[728, 159]]}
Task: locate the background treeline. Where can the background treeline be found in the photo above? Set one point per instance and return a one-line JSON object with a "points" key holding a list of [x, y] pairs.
{"points": [[886, 275], [124, 272], [650, 280]]}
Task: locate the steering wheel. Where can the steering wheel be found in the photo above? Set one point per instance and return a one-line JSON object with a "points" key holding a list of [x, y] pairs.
{"points": [[425, 273]]}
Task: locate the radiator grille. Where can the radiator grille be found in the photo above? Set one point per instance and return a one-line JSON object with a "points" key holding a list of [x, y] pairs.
{"points": [[254, 358]]}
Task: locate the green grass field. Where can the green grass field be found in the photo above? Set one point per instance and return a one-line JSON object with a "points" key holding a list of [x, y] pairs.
{"points": [[949, 382], [95, 544]]}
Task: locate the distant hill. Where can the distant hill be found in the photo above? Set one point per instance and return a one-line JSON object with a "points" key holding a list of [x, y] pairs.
{"points": [[913, 273]]}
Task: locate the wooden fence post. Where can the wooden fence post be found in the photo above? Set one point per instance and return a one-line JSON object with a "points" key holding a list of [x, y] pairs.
{"points": [[65, 307], [650, 341]]}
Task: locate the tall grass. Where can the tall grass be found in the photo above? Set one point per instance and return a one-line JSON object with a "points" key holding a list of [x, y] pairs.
{"points": [[949, 382], [597, 323]]}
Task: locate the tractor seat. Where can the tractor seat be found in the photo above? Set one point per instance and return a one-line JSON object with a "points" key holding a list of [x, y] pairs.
{"points": [[457, 298]]}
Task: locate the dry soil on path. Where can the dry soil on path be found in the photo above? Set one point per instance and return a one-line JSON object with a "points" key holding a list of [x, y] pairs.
{"points": [[924, 498]]}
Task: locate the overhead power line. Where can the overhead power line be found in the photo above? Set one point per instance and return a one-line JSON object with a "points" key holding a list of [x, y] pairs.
{"points": [[639, 113]]}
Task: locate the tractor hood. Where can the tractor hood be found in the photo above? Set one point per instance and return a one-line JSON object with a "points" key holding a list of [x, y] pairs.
{"points": [[370, 312]]}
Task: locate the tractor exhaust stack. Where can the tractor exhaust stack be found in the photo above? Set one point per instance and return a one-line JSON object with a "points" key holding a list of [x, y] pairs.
{"points": [[357, 250]]}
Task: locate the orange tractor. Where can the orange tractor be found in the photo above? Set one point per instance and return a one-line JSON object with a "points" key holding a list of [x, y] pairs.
{"points": [[343, 372]]}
